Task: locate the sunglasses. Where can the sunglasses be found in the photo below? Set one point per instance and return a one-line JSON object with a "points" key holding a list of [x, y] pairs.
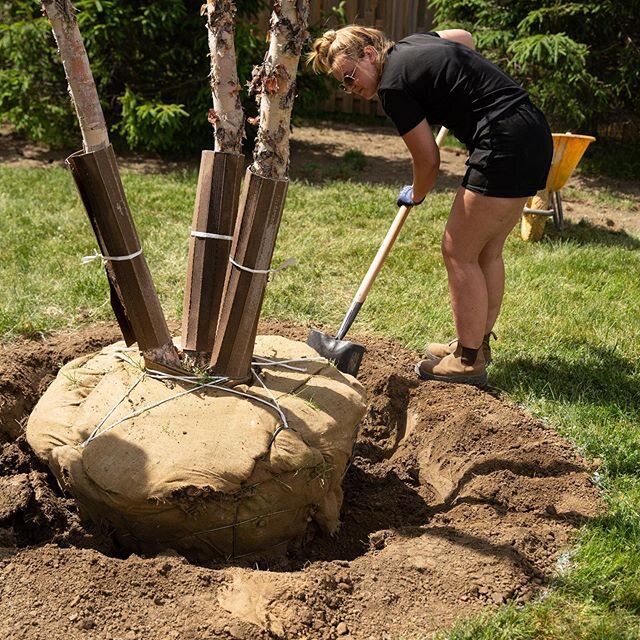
{"points": [[348, 80]]}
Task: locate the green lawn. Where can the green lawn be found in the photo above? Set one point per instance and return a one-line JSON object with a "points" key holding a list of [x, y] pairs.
{"points": [[568, 349]]}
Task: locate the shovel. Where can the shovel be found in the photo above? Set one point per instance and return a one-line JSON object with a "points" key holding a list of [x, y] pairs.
{"points": [[347, 356]]}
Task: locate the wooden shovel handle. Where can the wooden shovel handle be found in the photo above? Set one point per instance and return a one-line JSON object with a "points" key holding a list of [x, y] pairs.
{"points": [[388, 242]]}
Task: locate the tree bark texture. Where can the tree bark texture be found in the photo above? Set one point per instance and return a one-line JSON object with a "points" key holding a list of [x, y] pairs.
{"points": [[264, 193], [218, 190], [82, 88], [274, 82], [227, 116]]}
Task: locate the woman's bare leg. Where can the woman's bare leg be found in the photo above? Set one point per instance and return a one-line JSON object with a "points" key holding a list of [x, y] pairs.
{"points": [[472, 248]]}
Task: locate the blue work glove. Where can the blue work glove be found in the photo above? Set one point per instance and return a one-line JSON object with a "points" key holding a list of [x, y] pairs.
{"points": [[406, 197]]}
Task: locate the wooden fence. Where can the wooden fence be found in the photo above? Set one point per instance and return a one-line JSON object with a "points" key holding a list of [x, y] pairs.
{"points": [[397, 18]]}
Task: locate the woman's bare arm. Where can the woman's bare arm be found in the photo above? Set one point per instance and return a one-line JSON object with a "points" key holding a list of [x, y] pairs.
{"points": [[425, 158], [457, 35]]}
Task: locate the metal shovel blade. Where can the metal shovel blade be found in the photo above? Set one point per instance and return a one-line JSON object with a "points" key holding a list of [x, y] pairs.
{"points": [[347, 356]]}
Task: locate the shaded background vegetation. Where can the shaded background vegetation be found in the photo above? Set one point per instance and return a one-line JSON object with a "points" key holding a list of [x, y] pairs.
{"points": [[579, 60], [149, 60]]}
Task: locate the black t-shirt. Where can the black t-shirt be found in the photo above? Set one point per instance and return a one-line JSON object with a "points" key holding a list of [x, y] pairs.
{"points": [[425, 76]]}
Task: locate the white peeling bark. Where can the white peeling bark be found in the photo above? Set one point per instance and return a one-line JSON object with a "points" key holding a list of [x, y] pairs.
{"points": [[227, 116], [274, 83], [82, 88]]}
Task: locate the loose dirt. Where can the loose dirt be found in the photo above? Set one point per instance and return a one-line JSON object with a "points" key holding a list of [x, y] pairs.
{"points": [[455, 502]]}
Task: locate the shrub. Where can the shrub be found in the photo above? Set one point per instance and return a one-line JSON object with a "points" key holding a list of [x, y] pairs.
{"points": [[579, 60], [149, 61]]}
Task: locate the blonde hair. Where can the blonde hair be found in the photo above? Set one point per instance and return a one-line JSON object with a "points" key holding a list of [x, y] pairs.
{"points": [[349, 41]]}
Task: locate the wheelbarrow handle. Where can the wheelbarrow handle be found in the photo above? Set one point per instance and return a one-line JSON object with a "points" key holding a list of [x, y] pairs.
{"points": [[380, 257]]}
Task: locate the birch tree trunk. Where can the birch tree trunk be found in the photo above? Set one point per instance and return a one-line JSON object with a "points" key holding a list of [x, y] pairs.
{"points": [[217, 193], [227, 116], [264, 193], [274, 84], [95, 170], [82, 88]]}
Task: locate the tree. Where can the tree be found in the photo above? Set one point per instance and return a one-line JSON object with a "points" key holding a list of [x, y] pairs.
{"points": [[95, 171], [579, 60], [264, 192], [216, 205]]}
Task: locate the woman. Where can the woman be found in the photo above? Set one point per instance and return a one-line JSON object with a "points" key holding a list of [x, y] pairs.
{"points": [[438, 78]]}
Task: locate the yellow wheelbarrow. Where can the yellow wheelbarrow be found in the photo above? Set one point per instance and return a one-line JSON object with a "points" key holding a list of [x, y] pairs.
{"points": [[568, 149]]}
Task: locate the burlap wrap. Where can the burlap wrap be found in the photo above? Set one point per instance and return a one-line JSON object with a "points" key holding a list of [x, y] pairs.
{"points": [[201, 473]]}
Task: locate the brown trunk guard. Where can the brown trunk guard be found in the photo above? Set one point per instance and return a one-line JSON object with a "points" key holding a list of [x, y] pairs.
{"points": [[254, 239], [134, 299], [215, 211]]}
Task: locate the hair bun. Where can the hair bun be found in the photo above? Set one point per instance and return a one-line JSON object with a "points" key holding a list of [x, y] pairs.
{"points": [[324, 42], [330, 35]]}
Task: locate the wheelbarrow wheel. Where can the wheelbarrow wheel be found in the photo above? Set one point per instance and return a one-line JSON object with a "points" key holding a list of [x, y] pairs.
{"points": [[532, 224]]}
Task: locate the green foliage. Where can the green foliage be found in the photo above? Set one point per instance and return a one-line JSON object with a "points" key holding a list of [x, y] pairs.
{"points": [[32, 84], [149, 61], [150, 64], [579, 60], [558, 79], [151, 126]]}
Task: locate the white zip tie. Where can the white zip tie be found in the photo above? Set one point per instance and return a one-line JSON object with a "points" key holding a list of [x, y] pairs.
{"points": [[287, 263], [99, 256], [213, 236]]}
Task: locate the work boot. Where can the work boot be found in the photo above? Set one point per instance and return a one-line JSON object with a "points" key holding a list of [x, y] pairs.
{"points": [[452, 369], [438, 350]]}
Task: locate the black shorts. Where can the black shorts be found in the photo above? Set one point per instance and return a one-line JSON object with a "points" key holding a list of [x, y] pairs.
{"points": [[511, 157]]}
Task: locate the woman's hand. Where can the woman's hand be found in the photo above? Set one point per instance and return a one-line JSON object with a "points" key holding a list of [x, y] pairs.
{"points": [[405, 197]]}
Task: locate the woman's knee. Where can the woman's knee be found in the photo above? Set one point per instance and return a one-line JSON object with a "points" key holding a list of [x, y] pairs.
{"points": [[456, 254], [447, 249], [459, 264], [490, 256]]}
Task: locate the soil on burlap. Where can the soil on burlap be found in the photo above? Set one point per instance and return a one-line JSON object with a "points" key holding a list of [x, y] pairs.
{"points": [[455, 502]]}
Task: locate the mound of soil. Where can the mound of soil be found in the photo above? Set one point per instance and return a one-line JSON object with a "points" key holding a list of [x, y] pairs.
{"points": [[455, 501]]}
